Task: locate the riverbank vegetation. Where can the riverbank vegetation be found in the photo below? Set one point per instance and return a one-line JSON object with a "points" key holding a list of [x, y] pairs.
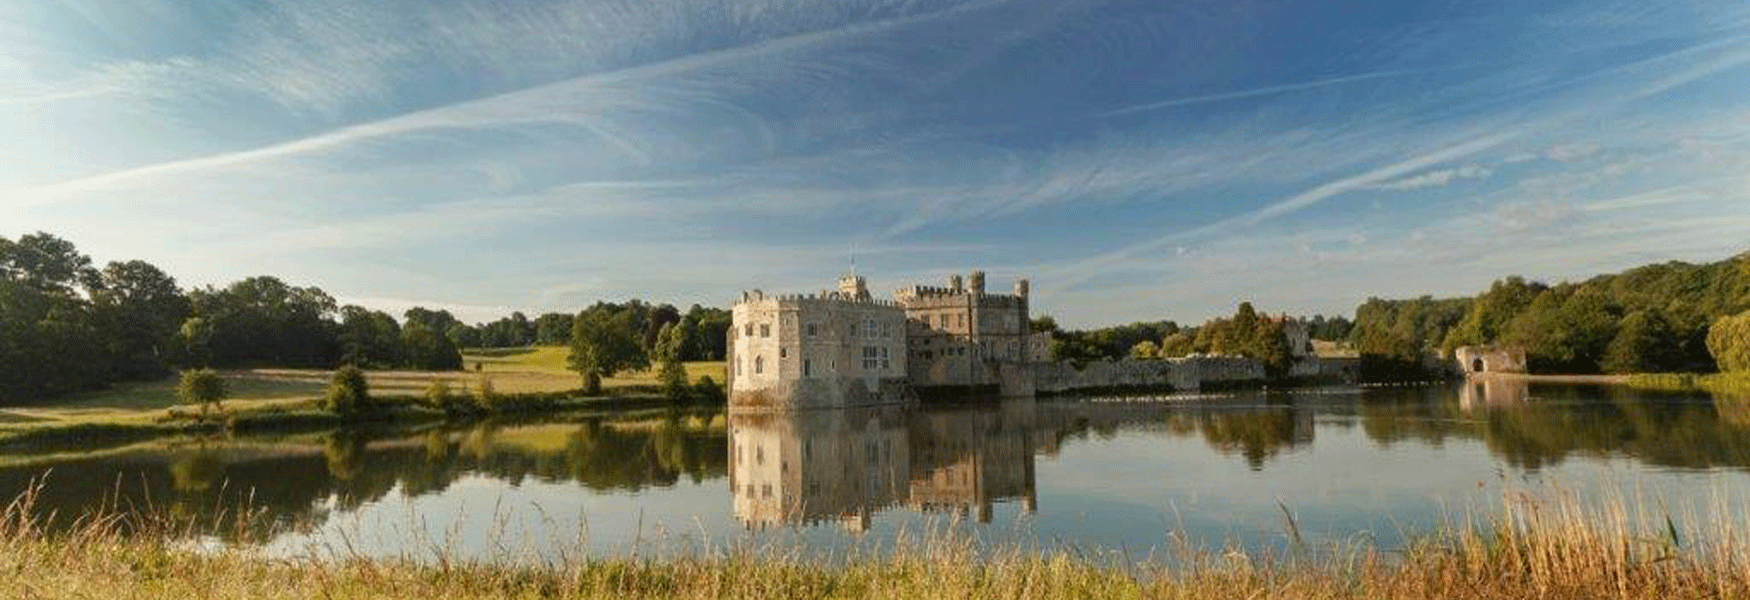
{"points": [[69, 329], [1654, 318], [1558, 549]]}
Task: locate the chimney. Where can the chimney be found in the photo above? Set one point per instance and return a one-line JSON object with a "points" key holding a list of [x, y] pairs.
{"points": [[978, 282]]}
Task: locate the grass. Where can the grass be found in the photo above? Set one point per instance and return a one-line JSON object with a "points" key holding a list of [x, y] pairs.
{"points": [[1556, 549], [274, 391], [1734, 384]]}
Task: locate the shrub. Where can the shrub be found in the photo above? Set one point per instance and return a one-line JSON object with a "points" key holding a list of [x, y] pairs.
{"points": [[203, 387], [348, 392], [707, 390]]}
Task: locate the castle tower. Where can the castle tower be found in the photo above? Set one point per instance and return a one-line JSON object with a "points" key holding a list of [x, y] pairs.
{"points": [[1021, 288], [854, 287], [978, 282]]}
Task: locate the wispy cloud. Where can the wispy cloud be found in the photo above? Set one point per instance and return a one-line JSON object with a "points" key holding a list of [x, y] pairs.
{"points": [[1436, 178]]}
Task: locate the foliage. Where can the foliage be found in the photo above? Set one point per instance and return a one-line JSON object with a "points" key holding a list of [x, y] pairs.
{"points": [[370, 339], [1643, 344], [486, 396], [1397, 338], [708, 391], [605, 341], [428, 350], [439, 396], [348, 393], [264, 321], [1098, 344], [1729, 341], [1145, 350], [670, 346], [1654, 317], [203, 387]]}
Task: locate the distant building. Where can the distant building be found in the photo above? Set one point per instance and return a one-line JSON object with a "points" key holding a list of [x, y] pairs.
{"points": [[837, 348], [1489, 359]]}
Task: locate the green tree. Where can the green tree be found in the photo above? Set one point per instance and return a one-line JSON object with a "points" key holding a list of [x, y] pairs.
{"points": [[1269, 344], [605, 341], [1729, 342], [1145, 350], [428, 350], [1493, 311], [203, 387], [349, 394], [139, 310], [670, 345], [370, 339], [1177, 345], [1644, 343], [195, 337]]}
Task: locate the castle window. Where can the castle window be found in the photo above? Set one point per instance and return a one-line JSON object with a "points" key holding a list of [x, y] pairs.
{"points": [[765, 330], [807, 368], [871, 358], [766, 490], [759, 364], [943, 319], [750, 330], [811, 330], [783, 353], [869, 328], [960, 319]]}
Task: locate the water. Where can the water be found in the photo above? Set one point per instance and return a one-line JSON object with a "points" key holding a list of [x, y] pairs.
{"points": [[1113, 474]]}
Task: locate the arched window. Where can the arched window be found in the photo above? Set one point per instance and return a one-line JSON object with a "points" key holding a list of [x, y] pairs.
{"points": [[759, 364]]}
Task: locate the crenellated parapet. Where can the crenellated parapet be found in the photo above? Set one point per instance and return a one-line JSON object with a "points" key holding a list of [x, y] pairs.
{"points": [[825, 296]]}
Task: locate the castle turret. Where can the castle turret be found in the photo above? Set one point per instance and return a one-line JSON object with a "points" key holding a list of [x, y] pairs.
{"points": [[978, 282], [1021, 288], [854, 287], [956, 285]]}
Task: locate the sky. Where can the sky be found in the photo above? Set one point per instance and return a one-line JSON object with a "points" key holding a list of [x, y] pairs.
{"points": [[1137, 160]]}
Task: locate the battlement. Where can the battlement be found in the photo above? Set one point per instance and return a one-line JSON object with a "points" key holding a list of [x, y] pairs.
{"points": [[957, 288], [824, 296]]}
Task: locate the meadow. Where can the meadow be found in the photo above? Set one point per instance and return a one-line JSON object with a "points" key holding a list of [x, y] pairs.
{"points": [[144, 404]]}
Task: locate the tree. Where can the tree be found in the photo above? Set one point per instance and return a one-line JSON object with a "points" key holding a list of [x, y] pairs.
{"points": [[1145, 350], [670, 342], [429, 351], [195, 338], [1177, 345], [203, 387], [349, 394], [604, 341], [1269, 345], [370, 339], [553, 329], [1644, 343], [46, 263], [139, 310], [1729, 342], [262, 320]]}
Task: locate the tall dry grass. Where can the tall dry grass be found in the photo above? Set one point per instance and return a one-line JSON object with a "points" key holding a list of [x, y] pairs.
{"points": [[1560, 548]]}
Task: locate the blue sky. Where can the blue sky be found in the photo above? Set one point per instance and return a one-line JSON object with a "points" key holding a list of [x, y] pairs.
{"points": [[1138, 160]]}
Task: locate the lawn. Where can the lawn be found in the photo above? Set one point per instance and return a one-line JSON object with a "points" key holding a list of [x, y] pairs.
{"points": [[511, 370]]}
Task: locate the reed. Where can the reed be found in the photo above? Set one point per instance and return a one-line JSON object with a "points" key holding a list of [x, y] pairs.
{"points": [[1542, 548]]}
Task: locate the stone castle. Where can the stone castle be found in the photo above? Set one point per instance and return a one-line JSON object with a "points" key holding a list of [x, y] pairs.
{"points": [[844, 347]]}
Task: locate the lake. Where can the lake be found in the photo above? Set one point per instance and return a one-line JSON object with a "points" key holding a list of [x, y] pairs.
{"points": [[1107, 474]]}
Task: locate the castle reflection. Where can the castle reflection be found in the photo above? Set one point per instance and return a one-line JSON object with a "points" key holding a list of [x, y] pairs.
{"points": [[845, 465]]}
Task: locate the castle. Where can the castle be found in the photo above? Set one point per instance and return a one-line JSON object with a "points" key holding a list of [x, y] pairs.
{"points": [[844, 347]]}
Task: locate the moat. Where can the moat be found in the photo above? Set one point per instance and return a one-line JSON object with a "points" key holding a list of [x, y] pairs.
{"points": [[1109, 474]]}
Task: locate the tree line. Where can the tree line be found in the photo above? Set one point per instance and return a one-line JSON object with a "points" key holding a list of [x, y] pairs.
{"points": [[1654, 318], [67, 325], [1246, 333]]}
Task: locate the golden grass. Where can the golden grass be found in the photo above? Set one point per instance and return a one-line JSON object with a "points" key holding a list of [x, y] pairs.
{"points": [[1555, 549]]}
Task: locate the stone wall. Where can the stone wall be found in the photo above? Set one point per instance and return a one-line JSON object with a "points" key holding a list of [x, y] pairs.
{"points": [[803, 351], [1185, 374], [1489, 359]]}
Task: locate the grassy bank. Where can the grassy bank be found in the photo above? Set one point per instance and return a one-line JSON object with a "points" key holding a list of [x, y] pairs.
{"points": [[1559, 550], [527, 380], [1735, 384]]}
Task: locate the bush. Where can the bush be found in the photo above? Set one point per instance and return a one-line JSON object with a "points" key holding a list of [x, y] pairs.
{"points": [[348, 392], [203, 387], [707, 391], [1729, 342]]}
